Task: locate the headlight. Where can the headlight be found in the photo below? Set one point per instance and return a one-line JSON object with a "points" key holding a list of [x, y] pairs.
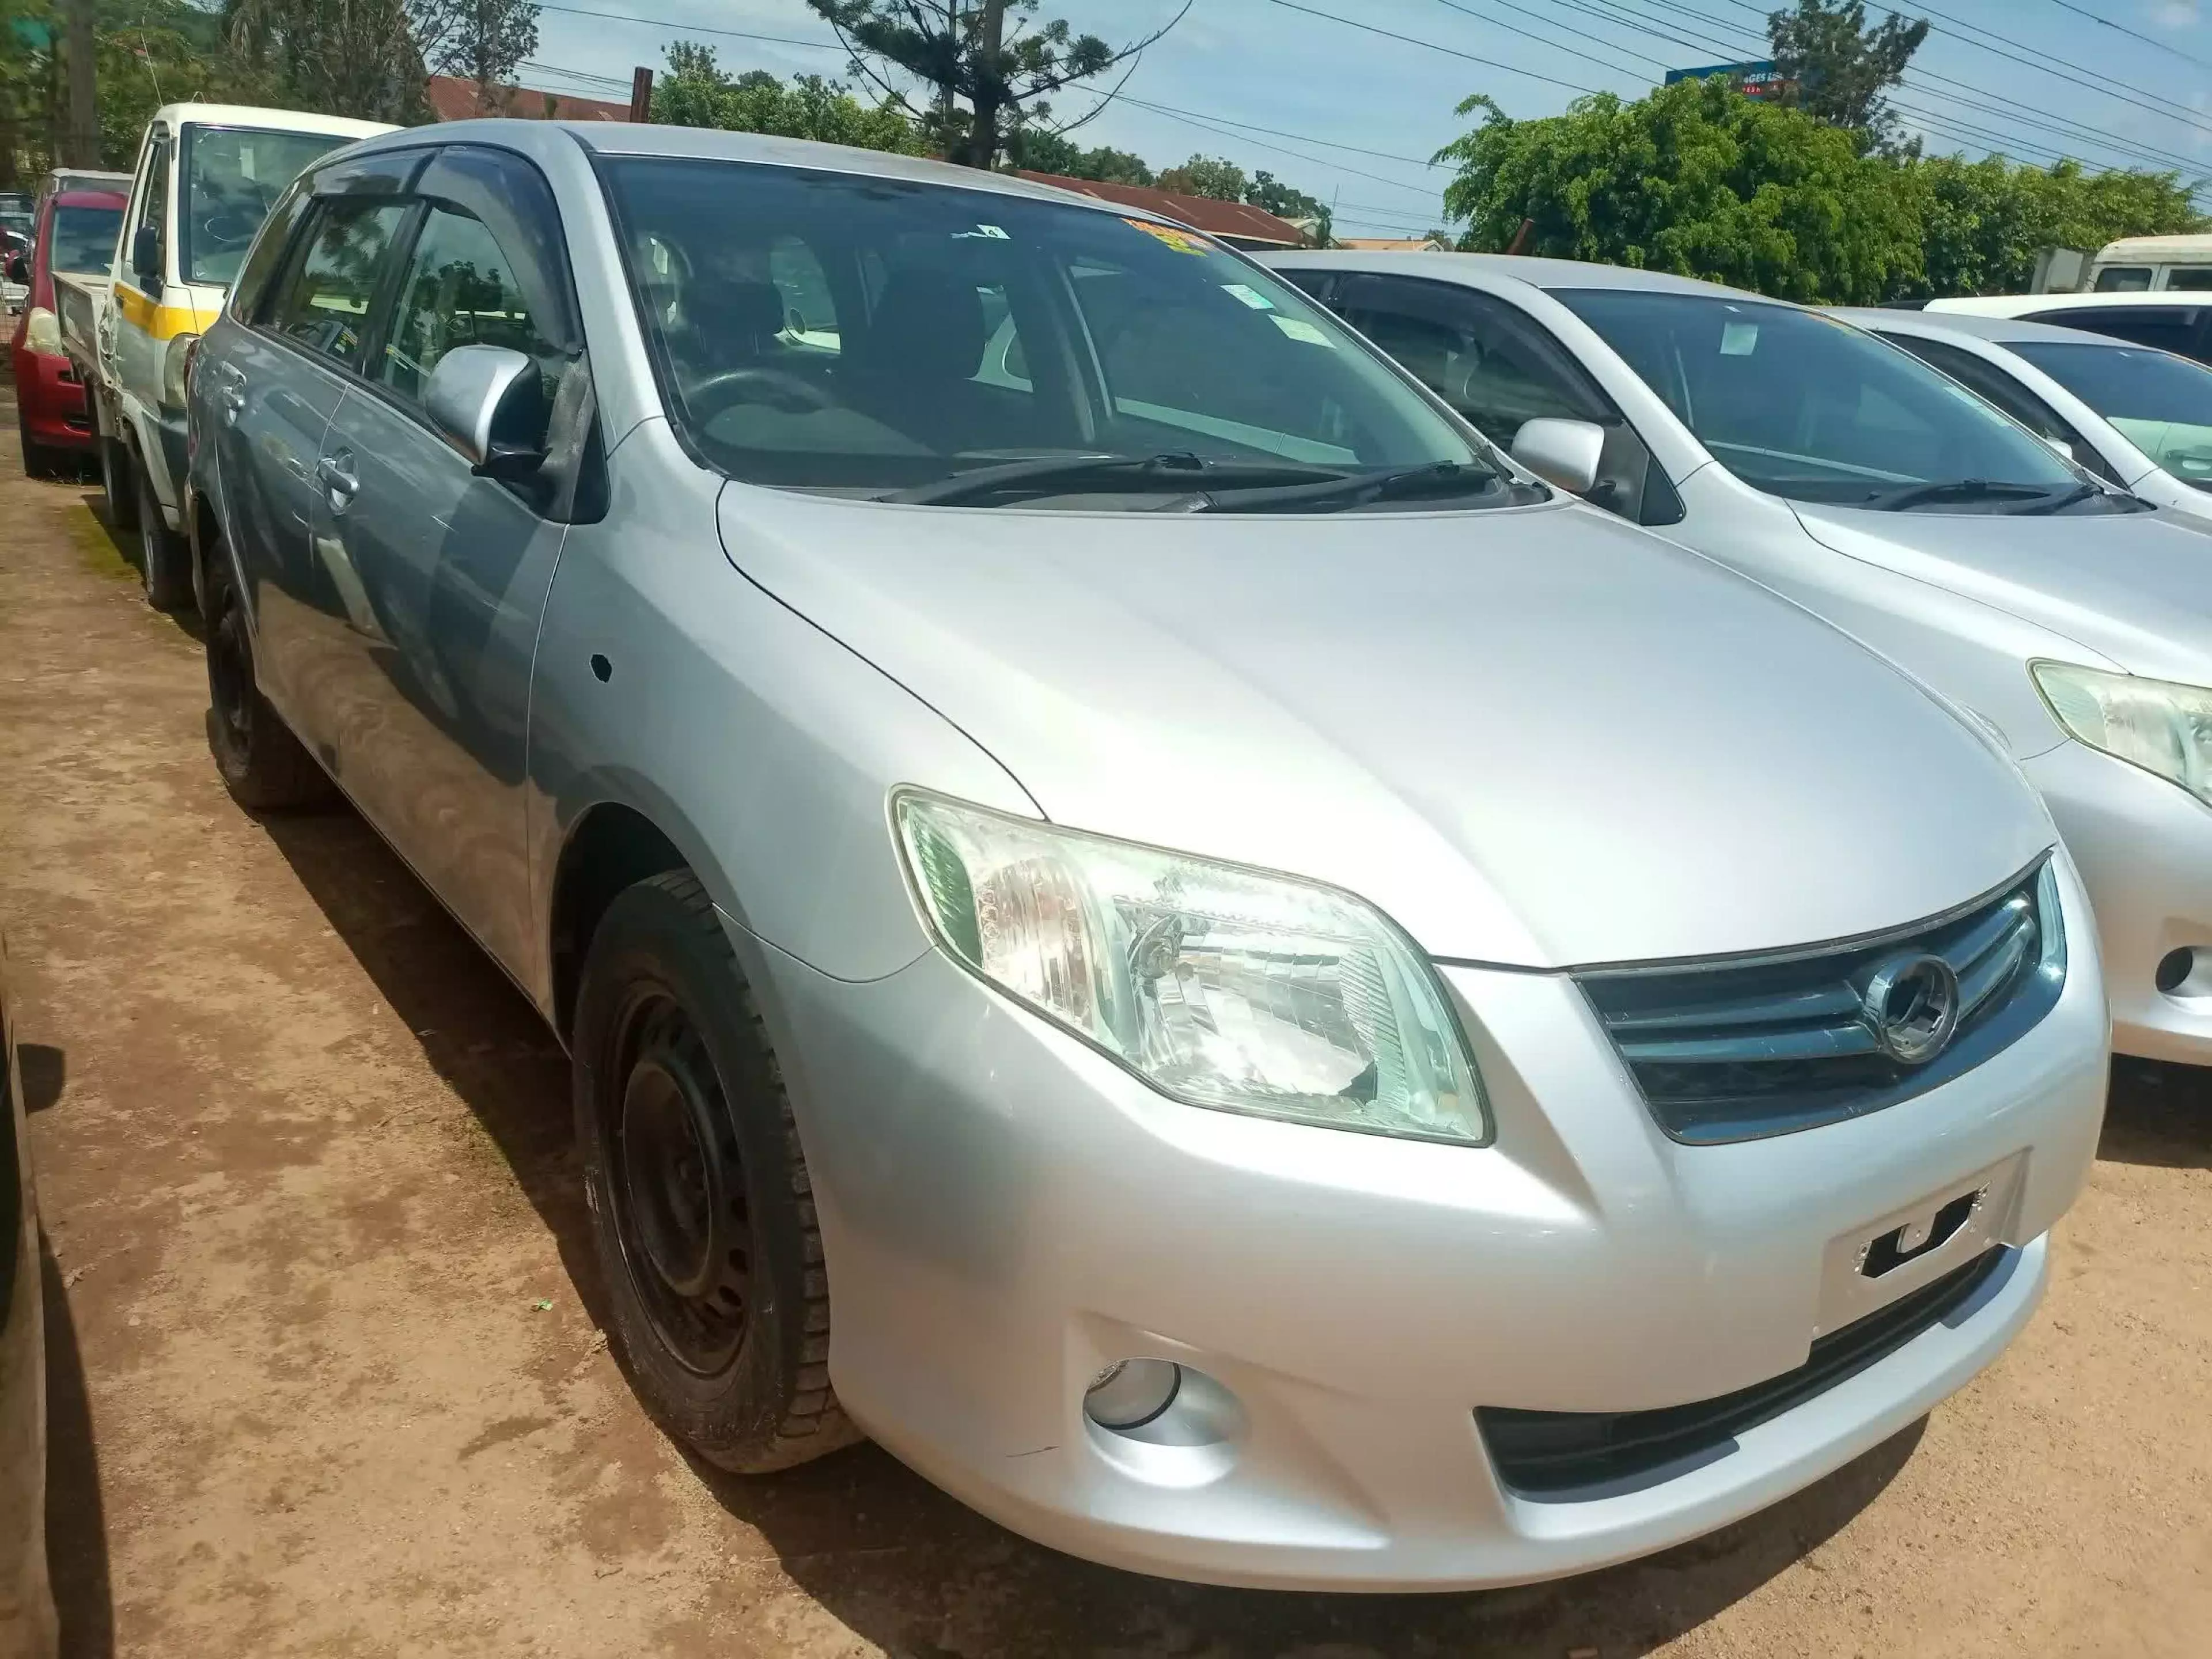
{"points": [[174, 366], [1222, 987], [2155, 724], [42, 332]]}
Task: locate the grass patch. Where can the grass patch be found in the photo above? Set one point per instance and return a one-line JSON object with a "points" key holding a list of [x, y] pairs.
{"points": [[97, 548]]}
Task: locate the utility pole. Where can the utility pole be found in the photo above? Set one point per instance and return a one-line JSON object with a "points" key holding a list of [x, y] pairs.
{"points": [[82, 146]]}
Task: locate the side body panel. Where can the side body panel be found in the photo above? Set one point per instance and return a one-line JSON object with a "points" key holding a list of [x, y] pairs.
{"points": [[422, 687]]}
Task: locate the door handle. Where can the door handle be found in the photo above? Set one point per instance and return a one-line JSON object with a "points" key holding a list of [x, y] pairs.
{"points": [[335, 472]]}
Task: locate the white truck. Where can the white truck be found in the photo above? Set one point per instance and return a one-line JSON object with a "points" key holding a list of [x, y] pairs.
{"points": [[207, 176]]}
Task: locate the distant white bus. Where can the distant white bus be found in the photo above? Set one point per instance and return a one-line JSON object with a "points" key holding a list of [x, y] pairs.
{"points": [[2140, 264]]}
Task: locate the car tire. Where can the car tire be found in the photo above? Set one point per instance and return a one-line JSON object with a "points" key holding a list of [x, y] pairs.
{"points": [[119, 487], [165, 568], [263, 765], [701, 1206]]}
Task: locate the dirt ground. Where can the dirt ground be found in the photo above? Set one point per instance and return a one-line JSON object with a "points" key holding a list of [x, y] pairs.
{"points": [[305, 1168]]}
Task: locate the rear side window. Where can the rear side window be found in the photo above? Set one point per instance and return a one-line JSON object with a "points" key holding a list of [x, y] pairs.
{"points": [[2123, 279], [2193, 279], [459, 290], [325, 304], [2167, 328]]}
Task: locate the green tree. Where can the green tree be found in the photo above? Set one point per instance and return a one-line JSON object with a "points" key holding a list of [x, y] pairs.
{"points": [[480, 40], [982, 69], [1207, 175], [1271, 195], [1695, 178], [1841, 66], [146, 54], [1983, 222], [696, 92], [357, 58], [1044, 149]]}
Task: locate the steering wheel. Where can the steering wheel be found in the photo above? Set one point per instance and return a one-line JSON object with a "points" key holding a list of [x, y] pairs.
{"points": [[779, 388]]}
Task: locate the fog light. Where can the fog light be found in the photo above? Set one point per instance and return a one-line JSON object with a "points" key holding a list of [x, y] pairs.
{"points": [[2174, 969], [1130, 1393]]}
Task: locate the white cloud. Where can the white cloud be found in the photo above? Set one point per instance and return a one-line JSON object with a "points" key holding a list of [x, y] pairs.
{"points": [[2176, 14]]}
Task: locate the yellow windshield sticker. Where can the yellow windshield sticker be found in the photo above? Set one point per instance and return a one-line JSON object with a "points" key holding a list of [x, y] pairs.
{"points": [[1182, 241]]}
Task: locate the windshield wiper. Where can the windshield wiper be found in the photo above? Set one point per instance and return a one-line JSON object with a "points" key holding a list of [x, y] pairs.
{"points": [[1955, 489], [1359, 489], [2080, 492], [1178, 471]]}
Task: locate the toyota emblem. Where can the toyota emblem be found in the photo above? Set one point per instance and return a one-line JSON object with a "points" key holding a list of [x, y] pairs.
{"points": [[1912, 1007]]}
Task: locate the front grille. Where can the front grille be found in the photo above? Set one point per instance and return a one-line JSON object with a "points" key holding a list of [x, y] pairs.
{"points": [[1750, 1047], [1558, 1454]]}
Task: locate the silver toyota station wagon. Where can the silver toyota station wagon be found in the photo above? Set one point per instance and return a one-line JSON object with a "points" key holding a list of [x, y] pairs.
{"points": [[1141, 915]]}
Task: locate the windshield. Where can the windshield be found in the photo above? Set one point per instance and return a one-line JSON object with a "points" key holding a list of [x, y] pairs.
{"points": [[2162, 403], [232, 177], [1806, 407], [833, 331], [84, 237]]}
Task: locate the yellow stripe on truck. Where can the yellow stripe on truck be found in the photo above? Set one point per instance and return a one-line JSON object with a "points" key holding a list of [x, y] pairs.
{"points": [[154, 319]]}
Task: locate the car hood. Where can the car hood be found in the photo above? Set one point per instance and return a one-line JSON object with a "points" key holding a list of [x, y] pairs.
{"points": [[1537, 736], [2135, 588]]}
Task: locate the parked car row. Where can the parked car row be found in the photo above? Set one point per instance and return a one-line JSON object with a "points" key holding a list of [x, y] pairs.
{"points": [[1386, 923], [2065, 614]]}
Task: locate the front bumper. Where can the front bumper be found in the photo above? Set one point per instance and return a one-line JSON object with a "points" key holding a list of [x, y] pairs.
{"points": [[2143, 847], [50, 402], [1005, 1212]]}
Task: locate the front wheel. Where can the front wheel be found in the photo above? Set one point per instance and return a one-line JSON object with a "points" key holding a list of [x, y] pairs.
{"points": [[165, 566], [700, 1203]]}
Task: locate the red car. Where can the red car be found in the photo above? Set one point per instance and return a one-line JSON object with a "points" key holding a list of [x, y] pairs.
{"points": [[76, 231]]}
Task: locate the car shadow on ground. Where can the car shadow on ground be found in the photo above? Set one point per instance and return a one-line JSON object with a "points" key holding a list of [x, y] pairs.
{"points": [[2159, 1114], [123, 546], [897, 1561], [77, 1522]]}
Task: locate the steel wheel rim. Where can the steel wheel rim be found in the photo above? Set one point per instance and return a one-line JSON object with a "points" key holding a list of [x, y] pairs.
{"points": [[678, 1188]]}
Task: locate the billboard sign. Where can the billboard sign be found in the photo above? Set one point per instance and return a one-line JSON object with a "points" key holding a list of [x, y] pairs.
{"points": [[1759, 80]]}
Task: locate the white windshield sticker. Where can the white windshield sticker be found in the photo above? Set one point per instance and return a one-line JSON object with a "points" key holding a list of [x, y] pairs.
{"points": [[1250, 296], [1739, 339], [1299, 330], [989, 232]]}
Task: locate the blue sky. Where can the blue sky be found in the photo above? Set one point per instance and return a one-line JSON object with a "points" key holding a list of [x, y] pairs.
{"points": [[1233, 67]]}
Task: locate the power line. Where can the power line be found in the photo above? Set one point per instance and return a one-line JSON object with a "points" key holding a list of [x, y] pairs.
{"points": [[1430, 45], [2148, 40], [1222, 131], [1275, 132], [1546, 41], [2005, 108], [689, 28], [1964, 33]]}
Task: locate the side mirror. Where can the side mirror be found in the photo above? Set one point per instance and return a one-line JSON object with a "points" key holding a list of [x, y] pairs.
{"points": [[146, 255], [19, 268], [487, 402], [1564, 453]]}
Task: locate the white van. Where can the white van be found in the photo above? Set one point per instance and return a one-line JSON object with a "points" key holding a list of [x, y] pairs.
{"points": [[2141, 265], [206, 178]]}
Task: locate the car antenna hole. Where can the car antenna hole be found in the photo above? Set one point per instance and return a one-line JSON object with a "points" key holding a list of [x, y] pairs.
{"points": [[602, 667]]}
